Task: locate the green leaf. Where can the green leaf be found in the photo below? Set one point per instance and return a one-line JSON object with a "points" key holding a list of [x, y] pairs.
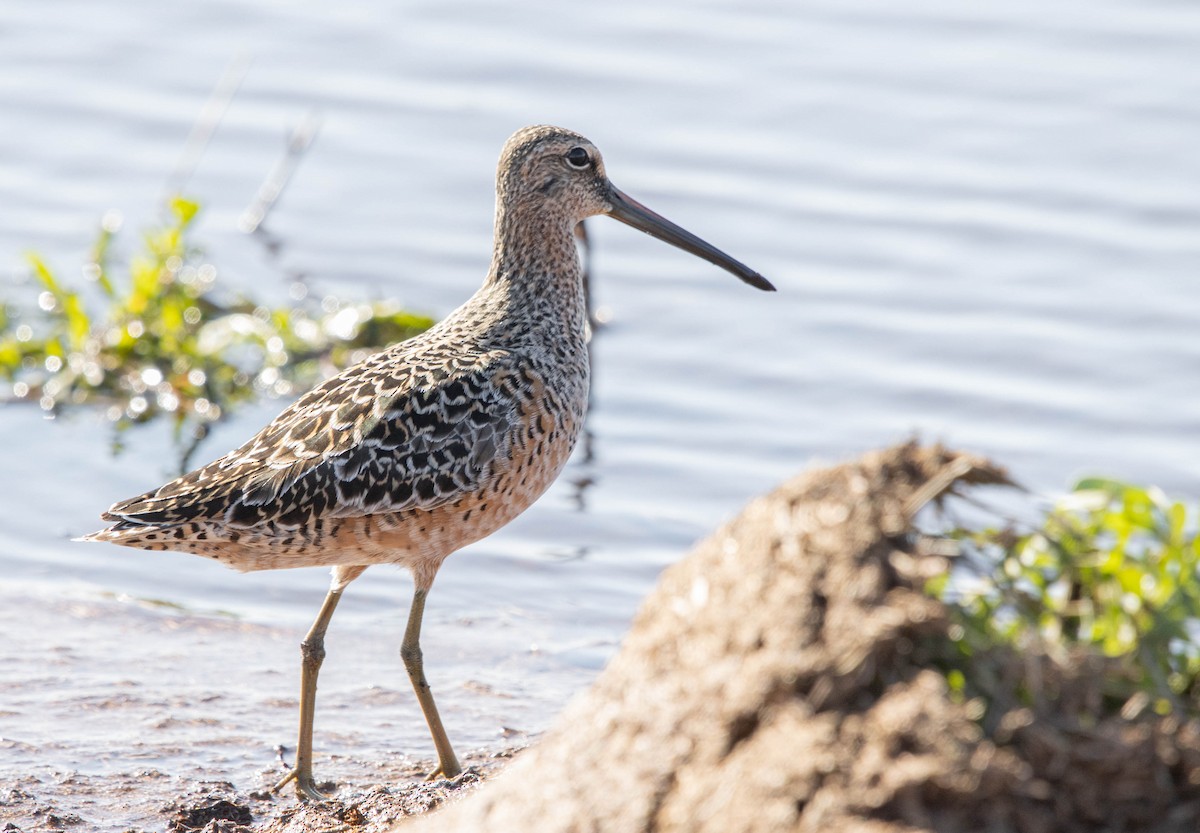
{"points": [[78, 322], [184, 209], [1100, 484], [43, 273]]}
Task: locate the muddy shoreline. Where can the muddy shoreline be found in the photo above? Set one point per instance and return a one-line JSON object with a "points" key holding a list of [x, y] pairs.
{"points": [[150, 801], [116, 717]]}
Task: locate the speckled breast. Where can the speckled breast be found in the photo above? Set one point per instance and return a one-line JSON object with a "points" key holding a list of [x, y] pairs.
{"points": [[551, 418]]}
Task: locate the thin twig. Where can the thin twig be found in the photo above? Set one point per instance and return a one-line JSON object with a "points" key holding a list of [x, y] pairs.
{"points": [[206, 124], [269, 192]]}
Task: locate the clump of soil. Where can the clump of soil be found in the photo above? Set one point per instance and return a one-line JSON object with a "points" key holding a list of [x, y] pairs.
{"points": [[780, 678], [211, 813]]}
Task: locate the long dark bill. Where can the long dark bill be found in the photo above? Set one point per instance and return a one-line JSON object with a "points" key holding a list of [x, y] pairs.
{"points": [[633, 213]]}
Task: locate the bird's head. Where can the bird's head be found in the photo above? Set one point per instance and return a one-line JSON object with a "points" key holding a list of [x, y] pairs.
{"points": [[557, 175]]}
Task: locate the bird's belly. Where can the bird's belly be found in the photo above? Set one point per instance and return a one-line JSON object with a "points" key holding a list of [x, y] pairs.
{"points": [[421, 539]]}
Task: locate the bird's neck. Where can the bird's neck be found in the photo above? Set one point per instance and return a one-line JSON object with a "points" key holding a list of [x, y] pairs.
{"points": [[535, 260]]}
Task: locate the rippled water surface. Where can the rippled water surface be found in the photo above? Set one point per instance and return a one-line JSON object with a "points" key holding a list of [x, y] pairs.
{"points": [[983, 220]]}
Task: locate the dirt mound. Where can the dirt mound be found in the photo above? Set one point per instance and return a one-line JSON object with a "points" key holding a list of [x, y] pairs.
{"points": [[778, 679]]}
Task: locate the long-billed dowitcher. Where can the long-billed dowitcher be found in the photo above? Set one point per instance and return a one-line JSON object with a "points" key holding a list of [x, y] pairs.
{"points": [[431, 444]]}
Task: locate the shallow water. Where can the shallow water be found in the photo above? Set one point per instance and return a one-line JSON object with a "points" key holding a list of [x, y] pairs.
{"points": [[983, 220]]}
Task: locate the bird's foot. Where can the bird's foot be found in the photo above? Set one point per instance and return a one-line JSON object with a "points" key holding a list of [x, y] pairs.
{"points": [[306, 787], [444, 773]]}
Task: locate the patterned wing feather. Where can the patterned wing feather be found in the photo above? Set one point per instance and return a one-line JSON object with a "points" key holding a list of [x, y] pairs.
{"points": [[383, 436]]}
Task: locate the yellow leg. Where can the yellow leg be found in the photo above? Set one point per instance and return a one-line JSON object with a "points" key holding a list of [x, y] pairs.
{"points": [[410, 652], [312, 653]]}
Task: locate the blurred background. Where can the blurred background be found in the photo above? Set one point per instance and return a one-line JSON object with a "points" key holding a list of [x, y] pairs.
{"points": [[983, 221]]}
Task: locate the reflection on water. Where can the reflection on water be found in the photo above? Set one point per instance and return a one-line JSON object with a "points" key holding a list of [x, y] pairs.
{"points": [[982, 220], [582, 477]]}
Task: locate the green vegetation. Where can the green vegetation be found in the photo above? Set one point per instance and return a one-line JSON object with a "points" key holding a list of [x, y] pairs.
{"points": [[1106, 589], [163, 342]]}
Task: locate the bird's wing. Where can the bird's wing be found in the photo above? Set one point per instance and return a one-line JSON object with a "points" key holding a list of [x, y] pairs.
{"points": [[386, 435]]}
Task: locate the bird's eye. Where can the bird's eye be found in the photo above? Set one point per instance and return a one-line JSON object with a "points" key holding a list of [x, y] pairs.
{"points": [[578, 157]]}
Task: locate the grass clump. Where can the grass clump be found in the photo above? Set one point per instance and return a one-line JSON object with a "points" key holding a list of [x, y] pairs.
{"points": [[1105, 589], [161, 341]]}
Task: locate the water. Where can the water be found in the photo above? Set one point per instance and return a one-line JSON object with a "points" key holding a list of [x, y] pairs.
{"points": [[983, 220]]}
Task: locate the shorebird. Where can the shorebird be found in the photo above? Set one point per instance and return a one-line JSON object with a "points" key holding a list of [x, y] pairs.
{"points": [[431, 444]]}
